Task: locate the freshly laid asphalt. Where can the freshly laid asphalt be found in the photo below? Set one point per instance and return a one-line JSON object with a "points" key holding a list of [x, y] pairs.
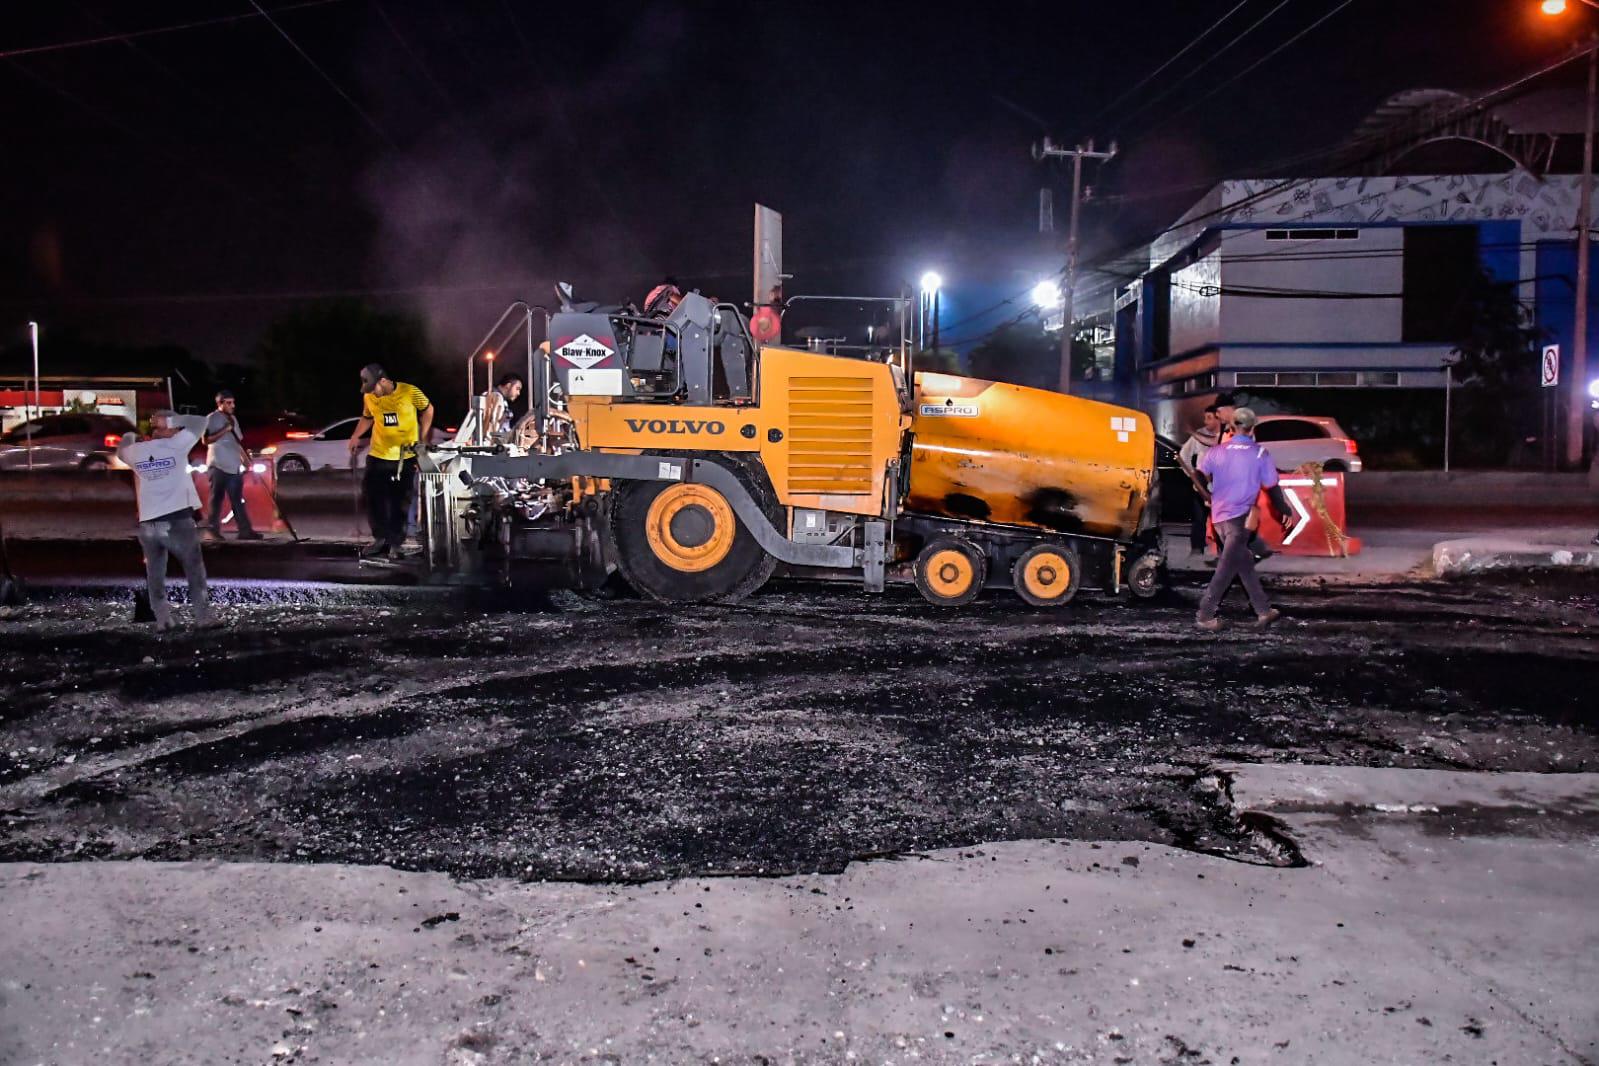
{"points": [[813, 725]]}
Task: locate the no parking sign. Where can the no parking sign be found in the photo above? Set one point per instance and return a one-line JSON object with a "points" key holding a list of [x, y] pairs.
{"points": [[1549, 368]]}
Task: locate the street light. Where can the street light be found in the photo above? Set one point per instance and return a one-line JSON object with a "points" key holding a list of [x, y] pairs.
{"points": [[932, 282], [1554, 7], [1046, 295]]}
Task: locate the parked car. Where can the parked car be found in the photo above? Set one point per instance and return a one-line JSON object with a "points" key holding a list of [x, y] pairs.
{"points": [[267, 428], [1176, 491], [1294, 440], [64, 442], [301, 451]]}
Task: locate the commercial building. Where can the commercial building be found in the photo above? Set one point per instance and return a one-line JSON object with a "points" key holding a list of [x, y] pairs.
{"points": [[1301, 291]]}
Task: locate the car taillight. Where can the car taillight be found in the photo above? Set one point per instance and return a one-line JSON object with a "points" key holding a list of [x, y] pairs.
{"points": [[113, 440], [298, 434], [1350, 446]]}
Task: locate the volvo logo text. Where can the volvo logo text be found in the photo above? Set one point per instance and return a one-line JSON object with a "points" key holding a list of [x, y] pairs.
{"points": [[676, 425]]}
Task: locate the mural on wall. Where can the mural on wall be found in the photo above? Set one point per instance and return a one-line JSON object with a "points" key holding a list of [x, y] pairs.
{"points": [[1546, 208]]}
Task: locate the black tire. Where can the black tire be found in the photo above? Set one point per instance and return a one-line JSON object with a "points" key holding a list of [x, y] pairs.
{"points": [[1337, 466], [1146, 576], [293, 464], [95, 464], [744, 567], [943, 579], [1047, 575]]}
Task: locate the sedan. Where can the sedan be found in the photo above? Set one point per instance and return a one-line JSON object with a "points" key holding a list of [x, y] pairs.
{"points": [[301, 452], [64, 442], [1294, 440]]}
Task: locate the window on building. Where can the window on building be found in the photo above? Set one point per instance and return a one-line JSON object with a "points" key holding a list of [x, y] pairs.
{"points": [[1297, 377], [1440, 269], [1255, 377], [1313, 235], [1338, 377], [1287, 429], [1380, 377]]}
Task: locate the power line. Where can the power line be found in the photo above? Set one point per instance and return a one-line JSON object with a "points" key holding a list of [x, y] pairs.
{"points": [[346, 97], [1245, 72], [1355, 161], [110, 38], [1223, 50], [1152, 75]]}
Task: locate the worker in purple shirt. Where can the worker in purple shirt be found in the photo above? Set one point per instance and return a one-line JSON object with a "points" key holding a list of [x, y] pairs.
{"points": [[1238, 469]]}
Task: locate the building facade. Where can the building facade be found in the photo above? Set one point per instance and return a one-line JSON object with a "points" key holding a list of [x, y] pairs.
{"points": [[1339, 283]]}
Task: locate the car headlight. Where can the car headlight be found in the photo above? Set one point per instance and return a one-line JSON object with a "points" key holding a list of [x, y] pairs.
{"points": [[270, 449]]}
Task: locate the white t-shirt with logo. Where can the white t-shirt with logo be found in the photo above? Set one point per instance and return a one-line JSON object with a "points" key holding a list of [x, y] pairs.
{"points": [[161, 471]]}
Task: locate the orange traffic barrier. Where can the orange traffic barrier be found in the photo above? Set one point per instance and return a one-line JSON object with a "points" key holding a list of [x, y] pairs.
{"points": [[1320, 525], [264, 515]]}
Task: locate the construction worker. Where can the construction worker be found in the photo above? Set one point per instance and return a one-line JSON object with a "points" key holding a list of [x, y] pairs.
{"points": [[398, 416], [1193, 450], [167, 502], [1226, 407], [1238, 470], [497, 417], [226, 461], [663, 299]]}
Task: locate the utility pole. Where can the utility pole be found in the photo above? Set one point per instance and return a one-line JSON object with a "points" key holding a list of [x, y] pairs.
{"points": [[1050, 150], [33, 332], [1577, 390]]}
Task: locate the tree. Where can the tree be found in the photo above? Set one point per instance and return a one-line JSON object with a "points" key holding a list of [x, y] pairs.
{"points": [[310, 358], [1497, 371], [939, 361], [1024, 353]]}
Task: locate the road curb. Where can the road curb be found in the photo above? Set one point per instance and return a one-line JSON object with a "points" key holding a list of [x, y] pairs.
{"points": [[1451, 558]]}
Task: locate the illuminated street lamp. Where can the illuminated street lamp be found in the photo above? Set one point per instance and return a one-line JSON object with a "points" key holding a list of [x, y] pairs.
{"points": [[1046, 295], [932, 282], [1554, 7]]}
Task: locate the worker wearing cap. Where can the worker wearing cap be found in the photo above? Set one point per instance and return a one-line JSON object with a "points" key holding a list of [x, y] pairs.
{"points": [[1238, 470], [398, 416], [167, 502]]}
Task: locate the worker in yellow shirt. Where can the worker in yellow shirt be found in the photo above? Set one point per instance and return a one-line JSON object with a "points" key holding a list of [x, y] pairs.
{"points": [[398, 416]]}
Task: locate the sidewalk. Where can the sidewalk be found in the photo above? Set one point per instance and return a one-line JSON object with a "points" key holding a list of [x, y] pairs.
{"points": [[1434, 916], [1391, 553]]}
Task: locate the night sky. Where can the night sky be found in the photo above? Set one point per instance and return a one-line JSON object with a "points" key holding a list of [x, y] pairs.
{"points": [[187, 187]]}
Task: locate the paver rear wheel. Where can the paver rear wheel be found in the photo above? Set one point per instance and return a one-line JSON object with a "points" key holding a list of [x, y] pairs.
{"points": [[1048, 575]]}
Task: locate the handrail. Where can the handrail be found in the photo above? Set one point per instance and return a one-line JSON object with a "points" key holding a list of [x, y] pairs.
{"points": [[539, 399]]}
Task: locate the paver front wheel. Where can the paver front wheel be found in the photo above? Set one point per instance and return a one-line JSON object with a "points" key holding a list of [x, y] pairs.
{"points": [[950, 572]]}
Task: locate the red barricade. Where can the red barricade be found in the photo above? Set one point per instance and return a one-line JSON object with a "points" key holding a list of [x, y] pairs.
{"points": [[258, 487], [1320, 525]]}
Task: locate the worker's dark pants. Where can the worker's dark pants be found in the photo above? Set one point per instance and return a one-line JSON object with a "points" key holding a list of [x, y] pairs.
{"points": [[173, 535], [390, 491], [231, 486], [1196, 524], [1236, 562]]}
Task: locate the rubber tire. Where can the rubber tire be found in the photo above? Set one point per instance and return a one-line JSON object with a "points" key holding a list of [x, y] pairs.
{"points": [[1336, 466], [95, 464], [293, 464], [1074, 578], [979, 571], [1155, 582], [745, 568]]}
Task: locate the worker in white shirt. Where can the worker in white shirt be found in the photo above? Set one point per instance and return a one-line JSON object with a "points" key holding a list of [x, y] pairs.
{"points": [[167, 502]]}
